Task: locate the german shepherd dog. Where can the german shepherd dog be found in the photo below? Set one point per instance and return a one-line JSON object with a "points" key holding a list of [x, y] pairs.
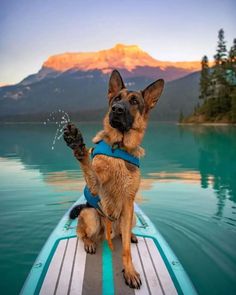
{"points": [[115, 180]]}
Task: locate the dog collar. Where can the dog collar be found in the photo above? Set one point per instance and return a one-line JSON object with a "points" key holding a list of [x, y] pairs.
{"points": [[102, 148]]}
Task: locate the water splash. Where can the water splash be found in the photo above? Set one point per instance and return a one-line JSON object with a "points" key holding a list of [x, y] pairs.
{"points": [[60, 118]]}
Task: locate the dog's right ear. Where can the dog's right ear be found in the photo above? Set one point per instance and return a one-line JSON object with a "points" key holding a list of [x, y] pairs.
{"points": [[115, 84], [152, 93]]}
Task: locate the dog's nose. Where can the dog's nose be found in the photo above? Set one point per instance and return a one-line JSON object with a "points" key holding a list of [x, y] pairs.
{"points": [[118, 109]]}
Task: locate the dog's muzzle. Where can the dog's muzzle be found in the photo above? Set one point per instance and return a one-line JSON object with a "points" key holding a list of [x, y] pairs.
{"points": [[120, 117]]}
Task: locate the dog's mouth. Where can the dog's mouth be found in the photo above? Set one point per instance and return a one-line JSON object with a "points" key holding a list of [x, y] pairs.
{"points": [[123, 123], [119, 124]]}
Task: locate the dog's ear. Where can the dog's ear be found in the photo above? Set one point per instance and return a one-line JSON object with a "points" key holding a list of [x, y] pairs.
{"points": [[115, 84], [152, 93]]}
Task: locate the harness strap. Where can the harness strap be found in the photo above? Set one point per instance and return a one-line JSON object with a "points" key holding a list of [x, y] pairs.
{"points": [[95, 202], [102, 148]]}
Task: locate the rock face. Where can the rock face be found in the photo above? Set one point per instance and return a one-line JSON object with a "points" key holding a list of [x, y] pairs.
{"points": [[121, 56], [77, 82], [130, 60]]}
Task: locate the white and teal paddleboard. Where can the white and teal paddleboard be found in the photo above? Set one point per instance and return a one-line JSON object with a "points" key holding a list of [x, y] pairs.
{"points": [[63, 267]]}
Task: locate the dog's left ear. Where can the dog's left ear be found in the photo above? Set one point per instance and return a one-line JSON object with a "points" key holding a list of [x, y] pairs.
{"points": [[115, 84], [152, 93]]}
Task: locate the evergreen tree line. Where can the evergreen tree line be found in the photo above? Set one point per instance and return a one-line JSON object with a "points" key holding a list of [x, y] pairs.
{"points": [[218, 85]]}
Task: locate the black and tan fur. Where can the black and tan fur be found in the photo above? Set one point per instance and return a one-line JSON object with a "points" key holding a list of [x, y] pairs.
{"points": [[114, 180]]}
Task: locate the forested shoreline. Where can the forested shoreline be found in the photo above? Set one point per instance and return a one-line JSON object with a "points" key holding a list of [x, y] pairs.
{"points": [[217, 87]]}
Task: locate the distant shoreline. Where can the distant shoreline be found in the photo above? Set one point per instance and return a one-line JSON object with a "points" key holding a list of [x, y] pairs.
{"points": [[208, 124], [90, 122]]}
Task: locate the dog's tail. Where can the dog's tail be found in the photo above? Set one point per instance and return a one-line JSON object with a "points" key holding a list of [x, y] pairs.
{"points": [[75, 211]]}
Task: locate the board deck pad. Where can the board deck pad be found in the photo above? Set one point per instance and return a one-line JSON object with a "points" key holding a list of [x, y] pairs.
{"points": [[73, 271]]}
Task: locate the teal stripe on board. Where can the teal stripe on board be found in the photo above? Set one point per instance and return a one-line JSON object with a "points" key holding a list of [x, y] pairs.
{"points": [[107, 271]]}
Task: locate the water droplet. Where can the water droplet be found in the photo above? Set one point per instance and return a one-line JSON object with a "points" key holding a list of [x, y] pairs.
{"points": [[63, 118]]}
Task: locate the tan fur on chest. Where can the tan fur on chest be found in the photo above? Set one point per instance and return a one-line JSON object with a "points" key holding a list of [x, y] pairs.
{"points": [[117, 181]]}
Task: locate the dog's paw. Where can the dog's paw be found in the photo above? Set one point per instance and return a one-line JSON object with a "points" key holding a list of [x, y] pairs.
{"points": [[74, 139], [73, 136], [132, 279], [134, 239], [90, 247]]}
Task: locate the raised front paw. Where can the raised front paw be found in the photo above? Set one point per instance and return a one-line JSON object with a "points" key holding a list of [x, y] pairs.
{"points": [[132, 279], [74, 139]]}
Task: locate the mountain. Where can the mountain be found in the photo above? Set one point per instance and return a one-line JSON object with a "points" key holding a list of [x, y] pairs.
{"points": [[130, 60], [85, 97], [77, 83], [179, 96], [121, 56], [3, 84]]}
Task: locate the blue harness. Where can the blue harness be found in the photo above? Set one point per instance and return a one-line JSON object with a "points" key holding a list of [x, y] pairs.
{"points": [[102, 148]]}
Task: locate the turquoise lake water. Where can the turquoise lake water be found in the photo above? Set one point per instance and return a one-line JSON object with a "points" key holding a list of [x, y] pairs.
{"points": [[188, 190]]}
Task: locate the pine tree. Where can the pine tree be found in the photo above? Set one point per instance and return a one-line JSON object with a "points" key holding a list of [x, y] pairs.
{"points": [[221, 51], [219, 76], [232, 53], [232, 61], [205, 78]]}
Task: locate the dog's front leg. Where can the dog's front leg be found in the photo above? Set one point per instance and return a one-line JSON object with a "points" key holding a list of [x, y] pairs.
{"points": [[132, 278], [89, 174], [74, 140]]}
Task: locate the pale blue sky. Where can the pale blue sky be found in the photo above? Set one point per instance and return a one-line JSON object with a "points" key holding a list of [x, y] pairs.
{"points": [[32, 30]]}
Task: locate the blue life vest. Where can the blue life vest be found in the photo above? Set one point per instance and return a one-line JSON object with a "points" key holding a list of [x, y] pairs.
{"points": [[102, 148]]}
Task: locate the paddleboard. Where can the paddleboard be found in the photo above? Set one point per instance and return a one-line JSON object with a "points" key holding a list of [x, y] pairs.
{"points": [[63, 267]]}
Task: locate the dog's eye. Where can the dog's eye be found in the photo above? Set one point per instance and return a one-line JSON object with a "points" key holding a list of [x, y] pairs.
{"points": [[133, 100]]}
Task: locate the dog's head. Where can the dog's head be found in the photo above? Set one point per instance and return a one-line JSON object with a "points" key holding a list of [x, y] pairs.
{"points": [[128, 108], [127, 117]]}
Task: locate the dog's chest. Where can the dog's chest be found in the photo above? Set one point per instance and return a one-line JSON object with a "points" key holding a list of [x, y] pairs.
{"points": [[117, 183], [116, 175]]}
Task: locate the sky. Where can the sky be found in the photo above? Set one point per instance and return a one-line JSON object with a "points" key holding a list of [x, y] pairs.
{"points": [[177, 30]]}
